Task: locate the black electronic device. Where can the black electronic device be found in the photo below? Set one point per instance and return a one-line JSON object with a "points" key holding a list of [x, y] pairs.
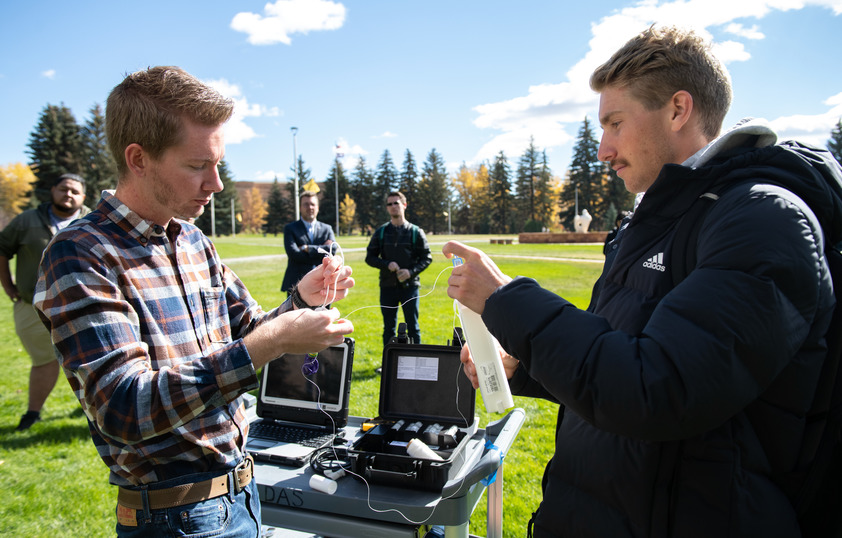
{"points": [[300, 411], [424, 395]]}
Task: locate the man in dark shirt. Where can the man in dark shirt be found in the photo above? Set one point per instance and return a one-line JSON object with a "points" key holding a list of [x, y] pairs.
{"points": [[400, 250]]}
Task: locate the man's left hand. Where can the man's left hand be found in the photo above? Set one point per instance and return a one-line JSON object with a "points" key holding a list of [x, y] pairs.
{"points": [[317, 286]]}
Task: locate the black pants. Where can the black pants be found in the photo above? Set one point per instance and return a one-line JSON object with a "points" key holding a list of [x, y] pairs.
{"points": [[407, 298]]}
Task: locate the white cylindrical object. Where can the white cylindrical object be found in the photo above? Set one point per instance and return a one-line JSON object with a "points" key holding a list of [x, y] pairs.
{"points": [[323, 484], [493, 384], [417, 449]]}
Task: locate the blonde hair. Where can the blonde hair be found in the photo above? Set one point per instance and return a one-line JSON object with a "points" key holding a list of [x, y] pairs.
{"points": [[149, 107], [659, 62]]}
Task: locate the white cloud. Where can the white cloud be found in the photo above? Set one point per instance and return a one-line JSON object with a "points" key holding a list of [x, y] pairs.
{"points": [[287, 17], [49, 73], [741, 31], [815, 128], [237, 130], [350, 154], [553, 112], [386, 134]]}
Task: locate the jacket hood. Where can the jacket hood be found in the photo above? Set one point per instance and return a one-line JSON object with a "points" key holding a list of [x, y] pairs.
{"points": [[749, 152]]}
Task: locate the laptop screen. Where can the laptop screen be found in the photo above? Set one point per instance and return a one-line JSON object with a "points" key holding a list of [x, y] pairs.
{"points": [[284, 384]]}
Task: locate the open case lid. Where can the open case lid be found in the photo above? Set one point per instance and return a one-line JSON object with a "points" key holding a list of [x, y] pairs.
{"points": [[425, 382]]}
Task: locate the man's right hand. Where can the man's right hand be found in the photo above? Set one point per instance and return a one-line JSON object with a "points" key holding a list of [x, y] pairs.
{"points": [[476, 279]]}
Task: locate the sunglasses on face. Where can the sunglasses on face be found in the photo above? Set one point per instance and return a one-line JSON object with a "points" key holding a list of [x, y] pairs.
{"points": [[392, 203]]}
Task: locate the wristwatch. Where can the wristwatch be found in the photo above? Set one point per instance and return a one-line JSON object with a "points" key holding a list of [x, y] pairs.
{"points": [[299, 301]]}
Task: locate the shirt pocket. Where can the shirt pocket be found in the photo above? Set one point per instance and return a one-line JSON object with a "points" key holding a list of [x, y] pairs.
{"points": [[217, 324]]}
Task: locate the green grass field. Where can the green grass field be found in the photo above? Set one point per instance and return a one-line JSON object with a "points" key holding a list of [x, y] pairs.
{"points": [[54, 483]]}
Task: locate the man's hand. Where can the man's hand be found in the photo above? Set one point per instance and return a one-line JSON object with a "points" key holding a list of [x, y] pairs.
{"points": [[510, 364], [330, 275], [476, 279], [12, 292], [6, 280], [393, 266], [403, 275], [297, 331]]}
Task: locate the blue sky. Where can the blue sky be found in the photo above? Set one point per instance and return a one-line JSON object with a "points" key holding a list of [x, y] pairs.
{"points": [[468, 78]]}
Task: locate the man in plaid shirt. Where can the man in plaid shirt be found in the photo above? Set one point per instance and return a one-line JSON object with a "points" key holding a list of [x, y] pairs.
{"points": [[157, 337]]}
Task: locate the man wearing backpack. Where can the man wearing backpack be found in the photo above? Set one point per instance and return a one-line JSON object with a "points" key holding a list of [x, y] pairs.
{"points": [[400, 250], [692, 409]]}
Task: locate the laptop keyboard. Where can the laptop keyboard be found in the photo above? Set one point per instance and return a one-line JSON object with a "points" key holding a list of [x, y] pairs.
{"points": [[289, 434]]}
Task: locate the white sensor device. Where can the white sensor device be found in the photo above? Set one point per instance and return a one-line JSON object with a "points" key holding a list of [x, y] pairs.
{"points": [[323, 484], [493, 384], [417, 449]]}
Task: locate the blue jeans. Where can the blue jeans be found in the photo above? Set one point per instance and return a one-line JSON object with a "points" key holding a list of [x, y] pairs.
{"points": [[229, 516], [407, 298]]}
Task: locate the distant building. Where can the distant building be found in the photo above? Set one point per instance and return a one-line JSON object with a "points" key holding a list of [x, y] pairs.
{"points": [[265, 187]]}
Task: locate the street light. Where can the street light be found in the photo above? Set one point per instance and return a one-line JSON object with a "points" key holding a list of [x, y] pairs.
{"points": [[338, 156], [295, 171]]}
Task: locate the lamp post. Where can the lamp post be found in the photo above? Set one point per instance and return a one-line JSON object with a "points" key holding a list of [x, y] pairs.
{"points": [[336, 185], [295, 171]]}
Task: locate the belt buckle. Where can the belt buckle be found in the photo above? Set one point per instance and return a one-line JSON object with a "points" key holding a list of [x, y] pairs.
{"points": [[247, 463]]}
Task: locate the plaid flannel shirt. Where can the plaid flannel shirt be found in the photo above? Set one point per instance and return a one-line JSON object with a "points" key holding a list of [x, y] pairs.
{"points": [[148, 324]]}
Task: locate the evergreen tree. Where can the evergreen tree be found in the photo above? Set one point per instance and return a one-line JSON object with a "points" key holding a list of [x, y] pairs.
{"points": [[55, 148], [385, 181], [616, 198], [545, 207], [500, 186], [362, 192], [584, 187], [834, 145], [327, 204], [303, 175], [408, 182], [527, 177], [277, 211], [100, 171], [431, 197], [222, 206]]}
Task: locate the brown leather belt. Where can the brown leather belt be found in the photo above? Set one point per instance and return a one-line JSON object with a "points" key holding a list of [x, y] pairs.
{"points": [[189, 493]]}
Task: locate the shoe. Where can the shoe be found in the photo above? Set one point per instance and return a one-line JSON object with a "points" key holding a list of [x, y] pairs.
{"points": [[378, 370], [27, 420]]}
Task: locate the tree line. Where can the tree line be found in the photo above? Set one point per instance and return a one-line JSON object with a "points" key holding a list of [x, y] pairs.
{"points": [[498, 196]]}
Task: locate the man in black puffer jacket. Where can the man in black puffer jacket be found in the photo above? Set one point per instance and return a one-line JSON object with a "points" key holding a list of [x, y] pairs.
{"points": [[684, 406]]}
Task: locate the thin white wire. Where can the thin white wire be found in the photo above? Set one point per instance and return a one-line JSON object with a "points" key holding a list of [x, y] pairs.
{"points": [[333, 448], [346, 316]]}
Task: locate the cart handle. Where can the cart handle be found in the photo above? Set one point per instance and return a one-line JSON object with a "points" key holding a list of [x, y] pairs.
{"points": [[502, 434]]}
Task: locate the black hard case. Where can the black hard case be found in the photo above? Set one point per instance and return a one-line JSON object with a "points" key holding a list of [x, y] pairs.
{"points": [[380, 454]]}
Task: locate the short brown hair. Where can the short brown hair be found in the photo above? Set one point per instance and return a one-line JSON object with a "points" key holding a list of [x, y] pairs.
{"points": [[148, 108], [396, 193], [659, 62]]}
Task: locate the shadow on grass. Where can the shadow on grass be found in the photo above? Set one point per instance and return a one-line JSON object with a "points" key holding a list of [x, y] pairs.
{"points": [[54, 429], [365, 374]]}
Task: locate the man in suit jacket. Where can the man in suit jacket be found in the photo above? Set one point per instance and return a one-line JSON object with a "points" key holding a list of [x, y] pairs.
{"points": [[302, 239]]}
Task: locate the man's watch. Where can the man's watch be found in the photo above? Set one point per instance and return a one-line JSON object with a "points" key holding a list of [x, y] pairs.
{"points": [[297, 300]]}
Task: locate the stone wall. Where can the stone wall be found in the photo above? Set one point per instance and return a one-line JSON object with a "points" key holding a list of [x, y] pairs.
{"points": [[562, 237]]}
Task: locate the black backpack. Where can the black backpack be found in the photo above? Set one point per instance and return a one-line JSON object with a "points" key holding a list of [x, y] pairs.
{"points": [[817, 497]]}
